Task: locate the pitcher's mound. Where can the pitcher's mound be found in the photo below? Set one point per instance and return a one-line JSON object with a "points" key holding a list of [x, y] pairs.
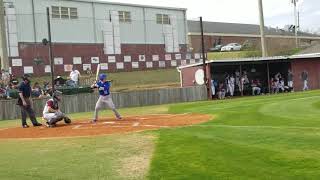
{"points": [[106, 126]]}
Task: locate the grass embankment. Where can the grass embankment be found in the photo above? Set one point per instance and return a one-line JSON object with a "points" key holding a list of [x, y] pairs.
{"points": [[233, 55], [126, 81]]}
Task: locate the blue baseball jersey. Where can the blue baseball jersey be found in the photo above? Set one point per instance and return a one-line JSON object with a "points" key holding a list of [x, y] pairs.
{"points": [[104, 88]]}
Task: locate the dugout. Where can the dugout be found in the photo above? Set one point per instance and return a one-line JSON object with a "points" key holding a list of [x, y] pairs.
{"points": [[257, 68]]}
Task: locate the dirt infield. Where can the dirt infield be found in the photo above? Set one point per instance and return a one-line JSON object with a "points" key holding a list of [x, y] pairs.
{"points": [[106, 126]]}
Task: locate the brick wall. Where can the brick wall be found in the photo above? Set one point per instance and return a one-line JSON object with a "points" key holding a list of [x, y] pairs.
{"points": [[66, 52]]}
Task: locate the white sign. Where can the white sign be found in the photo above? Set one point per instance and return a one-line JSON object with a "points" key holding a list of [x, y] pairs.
{"points": [[86, 67], [68, 67], [192, 61], [199, 77], [142, 57], [173, 63], [77, 60], [183, 62], [178, 56], [197, 56], [47, 69], [16, 62], [10, 70], [162, 64], [149, 64], [120, 66], [104, 66], [28, 69], [111, 59], [168, 57], [127, 58], [155, 57], [135, 65], [58, 60], [95, 60]]}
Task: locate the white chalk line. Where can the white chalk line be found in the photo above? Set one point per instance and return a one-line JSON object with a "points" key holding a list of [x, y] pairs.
{"points": [[3, 129], [270, 127], [135, 124], [77, 127]]}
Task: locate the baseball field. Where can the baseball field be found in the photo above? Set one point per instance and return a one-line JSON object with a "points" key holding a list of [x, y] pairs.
{"points": [[265, 137]]}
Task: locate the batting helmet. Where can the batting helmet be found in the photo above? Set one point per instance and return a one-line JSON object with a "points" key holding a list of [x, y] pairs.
{"points": [[102, 77]]}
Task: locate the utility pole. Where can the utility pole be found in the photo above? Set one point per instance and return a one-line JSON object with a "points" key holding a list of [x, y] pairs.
{"points": [[50, 49], [204, 58], [3, 39], [263, 39], [295, 21]]}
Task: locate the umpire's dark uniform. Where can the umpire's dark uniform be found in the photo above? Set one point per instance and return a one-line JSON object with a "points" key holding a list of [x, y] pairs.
{"points": [[25, 103]]}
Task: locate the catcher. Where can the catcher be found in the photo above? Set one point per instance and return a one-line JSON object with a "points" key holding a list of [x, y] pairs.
{"points": [[52, 113]]}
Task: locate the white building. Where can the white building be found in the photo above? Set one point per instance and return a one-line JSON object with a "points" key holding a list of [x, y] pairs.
{"points": [[120, 36]]}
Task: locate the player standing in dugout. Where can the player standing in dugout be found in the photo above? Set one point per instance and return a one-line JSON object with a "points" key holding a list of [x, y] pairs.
{"points": [[105, 99]]}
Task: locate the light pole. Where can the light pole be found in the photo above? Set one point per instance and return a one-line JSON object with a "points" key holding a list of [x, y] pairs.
{"points": [[263, 42], [3, 39], [295, 21]]}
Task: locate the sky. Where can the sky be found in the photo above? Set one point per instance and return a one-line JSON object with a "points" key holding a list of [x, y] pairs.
{"points": [[277, 13]]}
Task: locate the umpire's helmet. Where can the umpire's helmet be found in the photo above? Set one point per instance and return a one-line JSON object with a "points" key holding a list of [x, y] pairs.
{"points": [[102, 77]]}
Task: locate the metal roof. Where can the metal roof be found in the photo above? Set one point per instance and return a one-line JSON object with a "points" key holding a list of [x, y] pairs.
{"points": [[235, 28], [255, 59], [128, 4]]}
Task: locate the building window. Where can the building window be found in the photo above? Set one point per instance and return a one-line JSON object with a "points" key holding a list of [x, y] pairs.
{"points": [[64, 12], [124, 16], [163, 19]]}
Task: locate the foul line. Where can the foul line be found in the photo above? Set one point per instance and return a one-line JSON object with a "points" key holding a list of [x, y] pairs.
{"points": [[76, 127], [271, 127]]}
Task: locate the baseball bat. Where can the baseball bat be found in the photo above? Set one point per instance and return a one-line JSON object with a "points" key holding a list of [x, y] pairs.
{"points": [[98, 71]]}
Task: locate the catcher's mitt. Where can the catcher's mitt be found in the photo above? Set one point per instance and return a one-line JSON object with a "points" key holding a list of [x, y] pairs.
{"points": [[67, 120]]}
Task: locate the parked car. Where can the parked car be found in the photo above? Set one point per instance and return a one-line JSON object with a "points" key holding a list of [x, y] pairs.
{"points": [[217, 48], [232, 47]]}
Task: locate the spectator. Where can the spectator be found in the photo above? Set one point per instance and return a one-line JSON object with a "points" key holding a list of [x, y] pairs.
{"points": [[59, 81], [36, 90], [46, 88], [290, 80], [2, 90], [8, 89], [221, 91], [14, 81], [5, 76], [256, 87], [25, 103], [75, 76], [304, 78], [88, 71]]}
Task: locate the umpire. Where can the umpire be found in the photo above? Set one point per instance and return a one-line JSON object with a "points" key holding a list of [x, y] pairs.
{"points": [[25, 103]]}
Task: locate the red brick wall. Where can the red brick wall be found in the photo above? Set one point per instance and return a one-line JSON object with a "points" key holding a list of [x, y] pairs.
{"points": [[313, 68], [29, 51]]}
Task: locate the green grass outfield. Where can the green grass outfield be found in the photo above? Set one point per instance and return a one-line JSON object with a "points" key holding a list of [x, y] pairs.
{"points": [[266, 137]]}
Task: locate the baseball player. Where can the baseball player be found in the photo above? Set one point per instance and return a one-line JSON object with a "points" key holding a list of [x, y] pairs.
{"points": [[105, 98], [51, 111]]}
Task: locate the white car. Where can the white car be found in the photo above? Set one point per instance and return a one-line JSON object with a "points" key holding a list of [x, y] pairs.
{"points": [[232, 47]]}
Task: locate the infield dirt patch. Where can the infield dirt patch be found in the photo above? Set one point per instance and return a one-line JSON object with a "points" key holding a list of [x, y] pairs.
{"points": [[106, 126]]}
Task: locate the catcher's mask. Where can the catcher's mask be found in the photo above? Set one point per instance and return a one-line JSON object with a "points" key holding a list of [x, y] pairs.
{"points": [[56, 95]]}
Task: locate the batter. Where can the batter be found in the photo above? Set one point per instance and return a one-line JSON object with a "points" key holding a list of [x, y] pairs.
{"points": [[105, 99]]}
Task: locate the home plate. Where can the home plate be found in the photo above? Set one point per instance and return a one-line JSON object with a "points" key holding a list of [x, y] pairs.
{"points": [[108, 122]]}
